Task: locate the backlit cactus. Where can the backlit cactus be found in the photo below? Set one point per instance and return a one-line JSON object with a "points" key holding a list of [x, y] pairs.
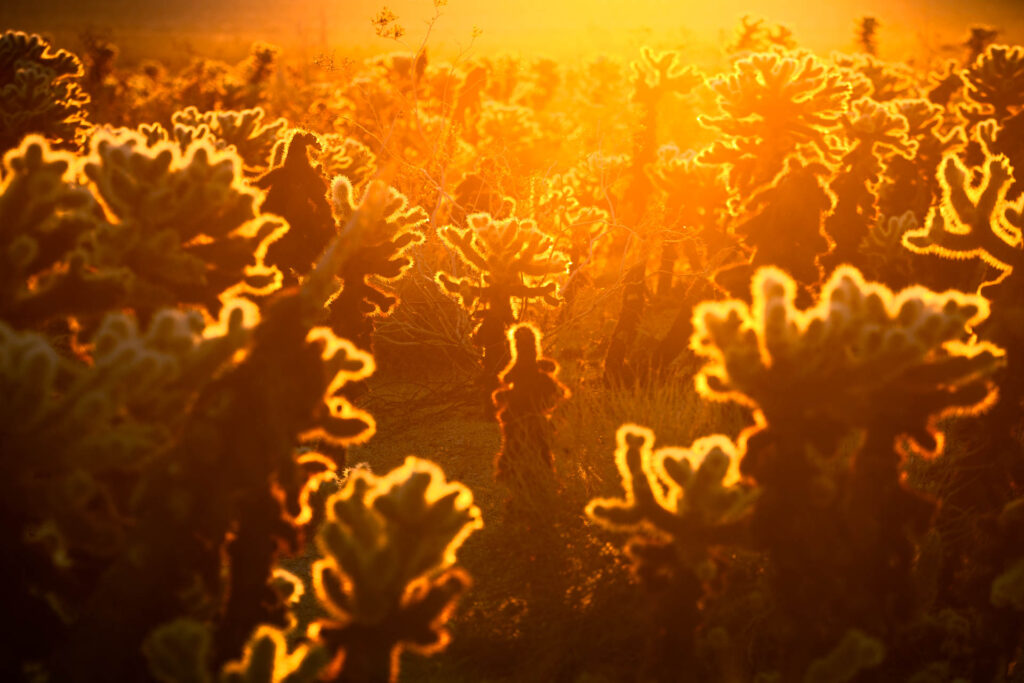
{"points": [[874, 131], [679, 504], [380, 255], [185, 224], [45, 216], [846, 363], [269, 659], [528, 394], [772, 106], [249, 132], [507, 260], [39, 92], [995, 84], [973, 221], [296, 190], [387, 578]]}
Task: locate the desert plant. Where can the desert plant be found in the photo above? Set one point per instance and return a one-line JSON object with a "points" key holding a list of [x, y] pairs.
{"points": [[387, 577], [298, 192], [248, 132], [40, 92], [507, 260], [185, 224], [379, 257], [773, 105], [524, 402], [873, 131]]}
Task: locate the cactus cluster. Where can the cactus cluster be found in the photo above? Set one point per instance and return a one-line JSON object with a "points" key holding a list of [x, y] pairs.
{"points": [[40, 92]]}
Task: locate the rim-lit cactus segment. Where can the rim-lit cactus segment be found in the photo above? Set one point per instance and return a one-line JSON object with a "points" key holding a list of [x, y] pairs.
{"points": [[508, 262], [528, 394], [40, 92], [848, 362], [380, 256], [387, 578]]}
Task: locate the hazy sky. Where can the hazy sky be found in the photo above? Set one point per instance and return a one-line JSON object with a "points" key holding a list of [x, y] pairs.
{"points": [[556, 26]]}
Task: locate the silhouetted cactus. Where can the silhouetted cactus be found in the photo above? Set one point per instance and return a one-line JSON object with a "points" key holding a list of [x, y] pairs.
{"points": [[269, 659], [861, 377], [680, 504], [528, 394], [867, 35], [995, 84], [696, 197], [774, 105], [783, 225], [185, 224], [298, 192], [378, 258], [507, 260], [874, 131], [387, 578], [684, 509], [44, 218], [249, 132], [345, 156], [655, 76], [39, 92], [753, 36], [187, 437], [911, 183]]}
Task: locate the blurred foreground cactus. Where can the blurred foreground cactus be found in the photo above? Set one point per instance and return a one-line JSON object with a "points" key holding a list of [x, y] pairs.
{"points": [[40, 92]]}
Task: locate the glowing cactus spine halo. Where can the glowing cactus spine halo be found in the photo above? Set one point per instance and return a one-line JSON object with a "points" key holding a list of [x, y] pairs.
{"points": [[387, 577], [529, 391]]}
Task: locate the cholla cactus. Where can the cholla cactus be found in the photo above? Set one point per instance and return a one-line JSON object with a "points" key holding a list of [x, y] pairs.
{"points": [[298, 192], [39, 92], [379, 256], [974, 221], [184, 223], [833, 388], [885, 81], [99, 424], [508, 259], [867, 35], [910, 184], [44, 216], [995, 84], [695, 196], [528, 394], [685, 511], [774, 105], [269, 659], [212, 509], [345, 156], [782, 223], [873, 130], [884, 255], [246, 132], [753, 36], [655, 76], [387, 578], [847, 363], [681, 505]]}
